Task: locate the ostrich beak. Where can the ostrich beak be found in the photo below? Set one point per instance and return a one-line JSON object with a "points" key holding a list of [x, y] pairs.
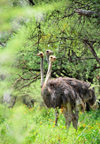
{"points": [[40, 54]]}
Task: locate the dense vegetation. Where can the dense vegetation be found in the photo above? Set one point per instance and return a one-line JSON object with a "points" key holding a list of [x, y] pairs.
{"points": [[21, 125], [71, 29]]}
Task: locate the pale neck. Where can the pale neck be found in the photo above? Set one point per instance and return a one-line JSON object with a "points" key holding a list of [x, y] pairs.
{"points": [[47, 58], [48, 73], [42, 72]]}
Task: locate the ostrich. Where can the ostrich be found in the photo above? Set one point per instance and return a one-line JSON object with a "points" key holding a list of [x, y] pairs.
{"points": [[79, 100], [56, 94], [85, 94], [79, 86], [83, 88]]}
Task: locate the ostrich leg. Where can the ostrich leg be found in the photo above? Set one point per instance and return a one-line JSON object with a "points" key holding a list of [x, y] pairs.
{"points": [[75, 119], [56, 116], [68, 115], [79, 103]]}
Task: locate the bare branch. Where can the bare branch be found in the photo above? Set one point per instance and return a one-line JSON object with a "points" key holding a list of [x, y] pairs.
{"points": [[87, 13], [92, 50], [34, 79]]}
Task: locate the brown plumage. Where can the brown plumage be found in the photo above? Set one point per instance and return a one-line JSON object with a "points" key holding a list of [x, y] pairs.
{"points": [[59, 93], [83, 89], [83, 94]]}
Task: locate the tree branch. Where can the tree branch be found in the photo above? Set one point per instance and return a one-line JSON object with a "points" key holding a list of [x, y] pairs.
{"points": [[92, 50], [28, 84]]}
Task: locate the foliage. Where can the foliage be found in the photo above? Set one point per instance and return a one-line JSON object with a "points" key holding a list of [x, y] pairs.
{"points": [[48, 26], [28, 126]]}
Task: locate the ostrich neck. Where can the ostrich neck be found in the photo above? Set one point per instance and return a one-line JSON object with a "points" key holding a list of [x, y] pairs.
{"points": [[48, 73], [47, 58], [42, 73]]}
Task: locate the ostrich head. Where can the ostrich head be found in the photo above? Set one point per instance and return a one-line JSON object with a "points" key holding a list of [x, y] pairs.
{"points": [[52, 58], [48, 53], [40, 54]]}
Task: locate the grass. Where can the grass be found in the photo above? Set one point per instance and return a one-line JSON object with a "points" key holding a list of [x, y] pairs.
{"points": [[21, 125]]}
